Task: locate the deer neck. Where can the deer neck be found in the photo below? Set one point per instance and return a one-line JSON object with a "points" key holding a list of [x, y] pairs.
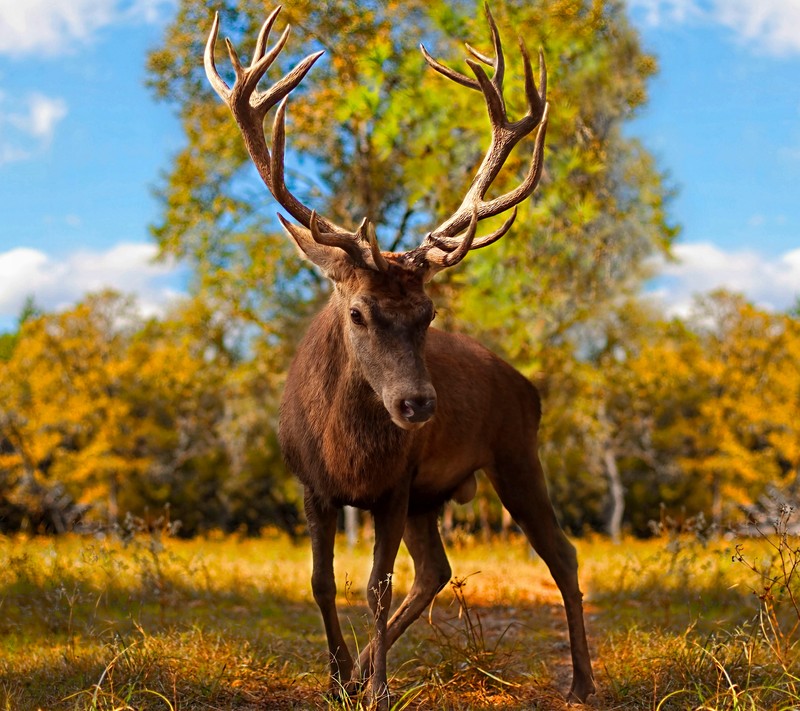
{"points": [[359, 453]]}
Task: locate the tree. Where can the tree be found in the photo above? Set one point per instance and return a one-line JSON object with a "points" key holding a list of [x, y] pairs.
{"points": [[102, 414], [370, 135], [696, 415], [601, 421], [61, 416], [372, 131], [8, 340], [744, 434]]}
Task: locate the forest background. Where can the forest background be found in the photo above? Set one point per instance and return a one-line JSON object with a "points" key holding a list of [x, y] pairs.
{"points": [[105, 412]]}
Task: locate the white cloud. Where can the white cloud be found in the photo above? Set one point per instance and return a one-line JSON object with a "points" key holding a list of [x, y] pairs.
{"points": [[29, 126], [150, 11], [45, 114], [660, 12], [49, 26], [53, 27], [772, 283], [10, 153], [55, 283], [41, 115], [769, 26]]}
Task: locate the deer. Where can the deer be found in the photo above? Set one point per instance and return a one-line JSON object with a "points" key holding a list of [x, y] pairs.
{"points": [[384, 412]]}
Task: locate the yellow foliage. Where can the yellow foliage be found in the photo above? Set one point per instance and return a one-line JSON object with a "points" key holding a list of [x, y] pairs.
{"points": [[93, 400]]}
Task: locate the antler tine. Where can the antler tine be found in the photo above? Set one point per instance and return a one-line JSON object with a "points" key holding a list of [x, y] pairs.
{"points": [[263, 35], [500, 204], [249, 108], [361, 246], [499, 59], [480, 56], [448, 237], [334, 239], [450, 243], [216, 81], [451, 74], [536, 100], [248, 105], [237, 65], [286, 84], [542, 76], [491, 93], [497, 63], [259, 66], [375, 251], [438, 258], [277, 169]]}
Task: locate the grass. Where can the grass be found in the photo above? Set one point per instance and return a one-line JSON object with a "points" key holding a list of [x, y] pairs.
{"points": [[153, 622]]}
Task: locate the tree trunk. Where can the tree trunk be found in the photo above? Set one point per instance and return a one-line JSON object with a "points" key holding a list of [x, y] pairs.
{"points": [[716, 501], [616, 493], [483, 517], [506, 523], [113, 502], [351, 525]]}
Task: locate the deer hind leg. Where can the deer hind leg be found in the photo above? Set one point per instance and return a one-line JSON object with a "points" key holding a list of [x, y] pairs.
{"points": [[322, 529], [520, 483], [431, 574]]}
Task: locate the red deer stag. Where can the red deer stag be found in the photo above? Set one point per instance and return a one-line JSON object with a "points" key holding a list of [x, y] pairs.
{"points": [[382, 412]]}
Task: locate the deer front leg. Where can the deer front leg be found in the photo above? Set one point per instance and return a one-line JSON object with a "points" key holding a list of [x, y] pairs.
{"points": [[389, 516], [431, 574], [321, 519]]}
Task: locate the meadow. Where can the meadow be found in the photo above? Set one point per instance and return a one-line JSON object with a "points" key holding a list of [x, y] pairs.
{"points": [[150, 621]]}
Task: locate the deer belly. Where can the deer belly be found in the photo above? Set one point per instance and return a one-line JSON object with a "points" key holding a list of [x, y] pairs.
{"points": [[440, 481], [466, 490]]}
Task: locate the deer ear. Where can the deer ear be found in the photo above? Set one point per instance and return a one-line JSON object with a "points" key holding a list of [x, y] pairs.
{"points": [[333, 262]]}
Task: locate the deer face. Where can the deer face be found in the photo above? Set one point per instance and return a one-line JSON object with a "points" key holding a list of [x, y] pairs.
{"points": [[386, 317], [387, 320]]}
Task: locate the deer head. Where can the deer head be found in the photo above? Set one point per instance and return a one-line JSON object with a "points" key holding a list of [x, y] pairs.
{"points": [[380, 297]]}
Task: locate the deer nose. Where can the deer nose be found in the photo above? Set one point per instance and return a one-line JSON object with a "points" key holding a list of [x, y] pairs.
{"points": [[418, 409]]}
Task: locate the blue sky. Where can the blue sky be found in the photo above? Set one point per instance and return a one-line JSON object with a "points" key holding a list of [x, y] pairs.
{"points": [[82, 144]]}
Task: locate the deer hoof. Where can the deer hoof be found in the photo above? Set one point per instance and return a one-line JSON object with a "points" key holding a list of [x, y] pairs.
{"points": [[581, 690], [378, 699]]}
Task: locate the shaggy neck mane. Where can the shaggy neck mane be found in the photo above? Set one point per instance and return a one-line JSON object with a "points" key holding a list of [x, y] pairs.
{"points": [[355, 452]]}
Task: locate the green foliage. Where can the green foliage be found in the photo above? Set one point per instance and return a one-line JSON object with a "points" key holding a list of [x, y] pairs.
{"points": [[7, 343], [103, 412], [8, 340], [374, 132]]}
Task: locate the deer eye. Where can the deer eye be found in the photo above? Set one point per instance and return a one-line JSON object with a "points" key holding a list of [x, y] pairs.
{"points": [[357, 317]]}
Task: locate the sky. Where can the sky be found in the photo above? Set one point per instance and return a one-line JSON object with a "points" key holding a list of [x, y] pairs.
{"points": [[83, 145]]}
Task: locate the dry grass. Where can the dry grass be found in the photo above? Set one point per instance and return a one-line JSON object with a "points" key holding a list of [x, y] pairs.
{"points": [[223, 623]]}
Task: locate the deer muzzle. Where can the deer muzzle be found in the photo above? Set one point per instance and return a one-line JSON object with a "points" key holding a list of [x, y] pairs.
{"points": [[410, 412], [419, 409]]}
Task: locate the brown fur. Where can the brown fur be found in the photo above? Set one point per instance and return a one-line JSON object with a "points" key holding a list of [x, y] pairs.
{"points": [[357, 419], [338, 436]]}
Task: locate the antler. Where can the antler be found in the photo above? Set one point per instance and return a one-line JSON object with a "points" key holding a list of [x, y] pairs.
{"points": [[441, 247], [249, 108]]}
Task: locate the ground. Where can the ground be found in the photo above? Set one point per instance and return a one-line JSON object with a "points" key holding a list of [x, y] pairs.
{"points": [[229, 623]]}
